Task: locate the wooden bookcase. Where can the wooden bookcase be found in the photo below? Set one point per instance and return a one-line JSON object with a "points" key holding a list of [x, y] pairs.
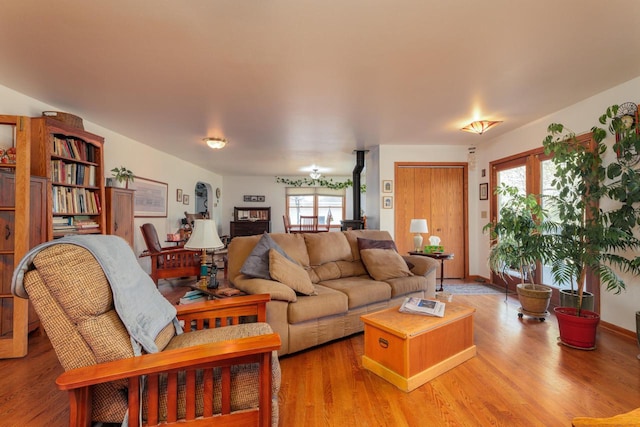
{"points": [[21, 219], [250, 221], [72, 159]]}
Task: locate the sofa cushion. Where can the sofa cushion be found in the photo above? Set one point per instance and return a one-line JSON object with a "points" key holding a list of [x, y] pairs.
{"points": [[257, 263], [326, 247], [277, 291], [383, 264], [406, 285], [327, 271], [360, 290], [351, 268], [291, 274], [328, 302]]}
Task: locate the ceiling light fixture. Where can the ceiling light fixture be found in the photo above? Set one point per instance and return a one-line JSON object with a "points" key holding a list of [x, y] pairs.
{"points": [[315, 174], [480, 126], [215, 143]]}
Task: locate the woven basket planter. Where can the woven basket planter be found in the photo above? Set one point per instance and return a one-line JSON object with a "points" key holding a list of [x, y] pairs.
{"points": [[534, 298]]}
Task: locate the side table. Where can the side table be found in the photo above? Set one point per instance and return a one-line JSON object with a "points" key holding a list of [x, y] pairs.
{"points": [[442, 257], [224, 290]]}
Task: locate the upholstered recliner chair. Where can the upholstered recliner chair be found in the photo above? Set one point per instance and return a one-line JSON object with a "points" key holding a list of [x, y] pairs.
{"points": [[168, 262], [100, 310]]}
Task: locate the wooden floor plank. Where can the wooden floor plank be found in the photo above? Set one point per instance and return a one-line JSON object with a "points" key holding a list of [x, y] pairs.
{"points": [[521, 376]]}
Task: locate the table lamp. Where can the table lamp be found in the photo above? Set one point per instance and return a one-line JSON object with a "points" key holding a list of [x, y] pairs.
{"points": [[418, 226], [205, 236]]}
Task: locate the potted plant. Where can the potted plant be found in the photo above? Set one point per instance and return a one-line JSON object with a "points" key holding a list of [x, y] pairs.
{"points": [[590, 239], [122, 176], [520, 239]]}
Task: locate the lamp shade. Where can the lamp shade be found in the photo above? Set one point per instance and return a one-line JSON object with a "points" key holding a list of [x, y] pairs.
{"points": [[204, 235], [418, 226]]}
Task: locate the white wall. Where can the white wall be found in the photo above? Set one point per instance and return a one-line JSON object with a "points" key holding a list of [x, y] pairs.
{"points": [[581, 117], [143, 160]]}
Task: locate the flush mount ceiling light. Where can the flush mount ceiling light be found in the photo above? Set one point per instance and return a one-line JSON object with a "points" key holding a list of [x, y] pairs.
{"points": [[215, 143], [315, 174], [480, 126]]}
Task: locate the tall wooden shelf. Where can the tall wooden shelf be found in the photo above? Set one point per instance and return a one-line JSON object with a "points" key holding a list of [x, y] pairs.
{"points": [[72, 159], [21, 201], [119, 208]]}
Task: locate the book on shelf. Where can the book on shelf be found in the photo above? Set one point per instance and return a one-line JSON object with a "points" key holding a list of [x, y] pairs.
{"points": [[422, 306], [193, 296]]}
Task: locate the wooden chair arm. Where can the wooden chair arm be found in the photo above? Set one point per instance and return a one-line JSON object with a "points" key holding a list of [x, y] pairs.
{"points": [[224, 303], [178, 359]]}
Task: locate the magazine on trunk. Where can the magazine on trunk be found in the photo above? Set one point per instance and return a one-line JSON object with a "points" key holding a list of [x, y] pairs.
{"points": [[422, 306]]}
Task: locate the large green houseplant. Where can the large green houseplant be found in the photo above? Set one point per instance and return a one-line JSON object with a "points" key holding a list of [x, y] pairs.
{"points": [[590, 238], [520, 239]]}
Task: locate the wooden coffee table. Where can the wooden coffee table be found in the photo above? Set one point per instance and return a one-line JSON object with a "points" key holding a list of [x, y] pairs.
{"points": [[410, 349]]}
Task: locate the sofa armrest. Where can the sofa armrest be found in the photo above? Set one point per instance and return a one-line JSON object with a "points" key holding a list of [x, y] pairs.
{"points": [[277, 291], [422, 265]]}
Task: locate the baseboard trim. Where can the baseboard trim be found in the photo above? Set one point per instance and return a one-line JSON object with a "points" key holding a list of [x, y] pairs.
{"points": [[618, 330]]}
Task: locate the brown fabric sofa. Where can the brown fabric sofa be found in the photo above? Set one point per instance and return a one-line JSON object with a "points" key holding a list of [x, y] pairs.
{"points": [[344, 290]]}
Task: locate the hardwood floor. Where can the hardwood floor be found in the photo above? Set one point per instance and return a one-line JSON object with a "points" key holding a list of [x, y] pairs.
{"points": [[520, 377]]}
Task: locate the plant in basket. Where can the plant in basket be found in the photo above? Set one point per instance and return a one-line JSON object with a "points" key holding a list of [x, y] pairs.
{"points": [[520, 239]]}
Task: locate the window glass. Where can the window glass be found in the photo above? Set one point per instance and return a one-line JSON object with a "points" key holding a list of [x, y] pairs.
{"points": [[327, 204]]}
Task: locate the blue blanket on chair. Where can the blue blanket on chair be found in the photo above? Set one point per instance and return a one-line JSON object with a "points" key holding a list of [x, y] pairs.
{"points": [[144, 311]]}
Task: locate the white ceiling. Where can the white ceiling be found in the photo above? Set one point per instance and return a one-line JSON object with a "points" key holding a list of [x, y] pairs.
{"points": [[291, 83]]}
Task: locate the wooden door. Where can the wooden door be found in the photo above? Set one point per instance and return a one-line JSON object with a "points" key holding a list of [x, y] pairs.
{"points": [[438, 194]]}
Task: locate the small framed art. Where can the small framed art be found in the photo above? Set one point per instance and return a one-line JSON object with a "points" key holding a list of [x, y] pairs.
{"points": [[387, 186], [179, 195], [387, 202], [484, 191], [185, 199]]}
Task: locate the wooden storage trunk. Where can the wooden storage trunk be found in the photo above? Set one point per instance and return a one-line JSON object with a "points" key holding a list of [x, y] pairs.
{"points": [[410, 349]]}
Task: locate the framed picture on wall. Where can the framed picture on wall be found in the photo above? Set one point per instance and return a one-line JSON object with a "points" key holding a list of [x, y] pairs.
{"points": [[387, 202], [150, 198], [387, 186], [484, 191], [179, 195], [185, 199]]}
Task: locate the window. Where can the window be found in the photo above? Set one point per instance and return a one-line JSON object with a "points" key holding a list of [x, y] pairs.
{"points": [[530, 172], [325, 203]]}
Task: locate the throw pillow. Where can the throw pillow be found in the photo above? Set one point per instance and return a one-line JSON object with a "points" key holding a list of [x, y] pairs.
{"points": [[289, 273], [257, 263], [383, 264], [376, 244], [379, 244]]}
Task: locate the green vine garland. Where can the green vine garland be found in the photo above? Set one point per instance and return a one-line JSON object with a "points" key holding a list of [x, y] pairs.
{"points": [[328, 183]]}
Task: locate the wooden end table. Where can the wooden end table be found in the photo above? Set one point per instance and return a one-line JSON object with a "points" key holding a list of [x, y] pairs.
{"points": [[224, 289], [442, 257]]}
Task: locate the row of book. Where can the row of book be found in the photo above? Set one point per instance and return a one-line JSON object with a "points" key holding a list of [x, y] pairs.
{"points": [[75, 200], [73, 148], [73, 173], [68, 223]]}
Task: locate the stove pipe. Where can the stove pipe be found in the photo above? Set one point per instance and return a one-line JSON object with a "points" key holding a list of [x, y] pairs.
{"points": [[356, 183]]}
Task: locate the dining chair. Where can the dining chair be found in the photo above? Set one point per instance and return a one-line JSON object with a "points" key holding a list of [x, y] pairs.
{"points": [[308, 224]]}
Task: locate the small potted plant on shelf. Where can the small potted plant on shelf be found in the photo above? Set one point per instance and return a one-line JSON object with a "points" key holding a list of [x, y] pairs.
{"points": [[122, 176], [519, 241], [592, 239]]}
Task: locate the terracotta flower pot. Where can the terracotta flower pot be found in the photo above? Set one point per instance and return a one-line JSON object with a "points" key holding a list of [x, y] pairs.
{"points": [[577, 331]]}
